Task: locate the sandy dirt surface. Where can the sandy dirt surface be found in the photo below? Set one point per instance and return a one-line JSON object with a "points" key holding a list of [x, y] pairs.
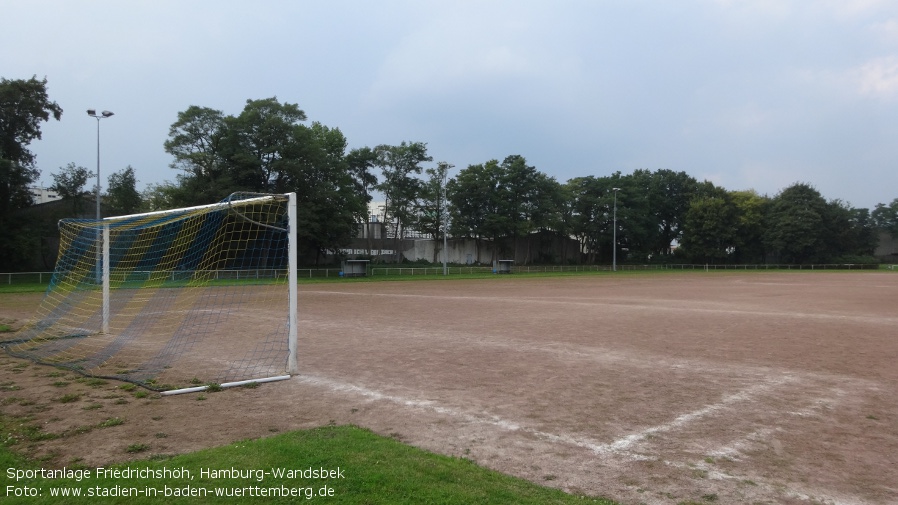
{"points": [[734, 388]]}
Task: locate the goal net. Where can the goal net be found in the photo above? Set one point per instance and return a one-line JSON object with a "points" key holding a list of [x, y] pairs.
{"points": [[173, 299]]}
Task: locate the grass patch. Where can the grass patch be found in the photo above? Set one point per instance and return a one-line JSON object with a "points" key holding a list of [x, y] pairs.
{"points": [[92, 382], [69, 398], [376, 470], [9, 386], [135, 448], [112, 421], [5, 328]]}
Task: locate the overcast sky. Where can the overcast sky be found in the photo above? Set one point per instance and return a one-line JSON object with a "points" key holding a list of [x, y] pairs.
{"points": [[750, 94]]}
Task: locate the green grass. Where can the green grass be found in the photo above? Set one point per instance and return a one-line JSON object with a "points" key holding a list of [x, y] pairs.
{"points": [[34, 287], [25, 287], [69, 398], [374, 469]]}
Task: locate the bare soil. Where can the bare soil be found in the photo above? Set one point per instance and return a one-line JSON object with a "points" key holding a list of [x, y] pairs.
{"points": [[735, 388]]}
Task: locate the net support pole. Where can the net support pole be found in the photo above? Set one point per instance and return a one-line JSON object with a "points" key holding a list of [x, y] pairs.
{"points": [[292, 279], [106, 267]]}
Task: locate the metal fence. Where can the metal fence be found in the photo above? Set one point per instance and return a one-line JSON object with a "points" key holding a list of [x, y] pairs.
{"points": [[26, 277], [175, 275], [311, 273], [384, 271]]}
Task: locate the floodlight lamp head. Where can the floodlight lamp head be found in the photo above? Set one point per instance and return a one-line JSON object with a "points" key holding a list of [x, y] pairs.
{"points": [[106, 113], [615, 189], [91, 112]]}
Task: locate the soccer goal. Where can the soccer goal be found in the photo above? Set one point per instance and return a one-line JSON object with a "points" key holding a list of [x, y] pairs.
{"points": [[174, 300]]}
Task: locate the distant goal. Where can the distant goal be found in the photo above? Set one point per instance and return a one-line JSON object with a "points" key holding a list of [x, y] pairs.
{"points": [[174, 300]]}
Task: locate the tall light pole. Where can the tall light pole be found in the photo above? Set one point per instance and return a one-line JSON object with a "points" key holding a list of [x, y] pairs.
{"points": [[103, 115], [444, 217], [444, 211], [614, 239]]}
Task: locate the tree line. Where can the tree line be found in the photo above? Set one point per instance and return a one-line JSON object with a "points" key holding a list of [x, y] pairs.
{"points": [[270, 147]]}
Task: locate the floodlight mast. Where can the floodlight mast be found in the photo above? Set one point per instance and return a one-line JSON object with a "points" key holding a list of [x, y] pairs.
{"points": [[103, 115], [445, 219], [99, 275], [614, 239]]}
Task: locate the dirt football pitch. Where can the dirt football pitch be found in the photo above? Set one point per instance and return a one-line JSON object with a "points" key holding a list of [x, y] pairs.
{"points": [[649, 388]]}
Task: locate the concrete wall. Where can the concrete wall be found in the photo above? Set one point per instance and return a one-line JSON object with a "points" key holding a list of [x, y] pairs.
{"points": [[537, 248], [888, 248]]}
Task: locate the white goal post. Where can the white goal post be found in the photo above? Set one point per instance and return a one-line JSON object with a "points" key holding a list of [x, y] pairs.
{"points": [[176, 300]]}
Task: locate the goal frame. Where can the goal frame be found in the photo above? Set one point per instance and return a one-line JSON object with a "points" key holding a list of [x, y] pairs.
{"points": [[292, 279]]}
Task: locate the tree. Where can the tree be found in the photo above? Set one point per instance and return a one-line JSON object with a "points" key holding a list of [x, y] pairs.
{"points": [[360, 161], [885, 217], [195, 141], [69, 183], [267, 149], [591, 213], [528, 197], [400, 164], [546, 215], [122, 195], [330, 201], [24, 105], [751, 211], [850, 232], [564, 217], [257, 142], [709, 229], [163, 196], [796, 225], [432, 204], [864, 232], [475, 204], [503, 200], [220, 154]]}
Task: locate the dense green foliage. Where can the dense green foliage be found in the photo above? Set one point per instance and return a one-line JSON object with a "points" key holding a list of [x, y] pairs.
{"points": [[122, 196], [660, 215], [266, 149], [69, 184], [24, 105]]}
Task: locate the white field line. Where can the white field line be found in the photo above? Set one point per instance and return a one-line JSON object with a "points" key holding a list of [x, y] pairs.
{"points": [[617, 304], [624, 443], [735, 449], [620, 446]]}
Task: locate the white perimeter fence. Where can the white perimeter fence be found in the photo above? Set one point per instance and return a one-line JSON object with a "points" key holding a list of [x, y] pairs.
{"points": [[377, 271]]}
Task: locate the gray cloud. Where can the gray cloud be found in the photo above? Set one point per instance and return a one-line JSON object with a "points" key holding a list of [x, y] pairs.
{"points": [[746, 94]]}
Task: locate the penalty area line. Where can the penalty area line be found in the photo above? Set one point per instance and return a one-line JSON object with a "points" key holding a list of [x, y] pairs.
{"points": [[620, 446]]}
